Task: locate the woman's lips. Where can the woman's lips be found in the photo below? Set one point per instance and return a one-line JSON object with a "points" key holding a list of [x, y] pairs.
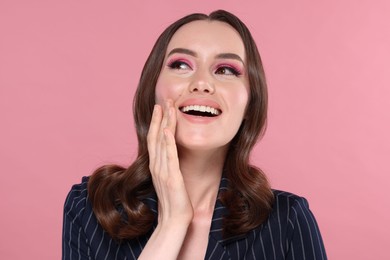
{"points": [[198, 119], [201, 103], [200, 110]]}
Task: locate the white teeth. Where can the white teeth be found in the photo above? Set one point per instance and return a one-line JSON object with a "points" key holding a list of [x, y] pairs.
{"points": [[201, 109]]}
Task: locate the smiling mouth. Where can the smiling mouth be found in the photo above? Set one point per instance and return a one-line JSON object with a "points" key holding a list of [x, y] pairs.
{"points": [[199, 110]]}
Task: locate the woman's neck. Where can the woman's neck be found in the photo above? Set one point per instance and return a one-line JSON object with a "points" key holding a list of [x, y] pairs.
{"points": [[202, 172]]}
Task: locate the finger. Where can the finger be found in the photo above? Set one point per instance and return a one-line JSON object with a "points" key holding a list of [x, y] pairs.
{"points": [[173, 166], [154, 128], [160, 161], [171, 125], [165, 118]]}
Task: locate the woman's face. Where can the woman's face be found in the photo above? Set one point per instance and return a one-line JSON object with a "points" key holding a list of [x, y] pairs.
{"points": [[204, 74]]}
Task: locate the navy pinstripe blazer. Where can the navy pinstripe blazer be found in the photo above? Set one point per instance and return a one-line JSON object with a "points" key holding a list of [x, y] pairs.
{"points": [[291, 232]]}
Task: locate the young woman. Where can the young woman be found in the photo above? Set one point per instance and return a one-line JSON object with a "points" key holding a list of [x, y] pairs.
{"points": [[199, 109]]}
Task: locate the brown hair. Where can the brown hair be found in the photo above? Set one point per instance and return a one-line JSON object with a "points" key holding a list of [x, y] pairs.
{"points": [[115, 191]]}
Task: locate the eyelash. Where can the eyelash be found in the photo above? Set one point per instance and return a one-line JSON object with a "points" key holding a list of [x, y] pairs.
{"points": [[232, 70], [176, 65]]}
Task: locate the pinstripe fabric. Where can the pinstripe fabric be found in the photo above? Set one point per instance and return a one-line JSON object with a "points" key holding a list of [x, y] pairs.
{"points": [[291, 232]]}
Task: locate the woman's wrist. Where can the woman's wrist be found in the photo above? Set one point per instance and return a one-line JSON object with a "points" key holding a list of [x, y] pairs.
{"points": [[166, 240]]}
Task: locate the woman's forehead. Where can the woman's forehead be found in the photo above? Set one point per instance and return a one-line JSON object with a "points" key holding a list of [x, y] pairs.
{"points": [[206, 36]]}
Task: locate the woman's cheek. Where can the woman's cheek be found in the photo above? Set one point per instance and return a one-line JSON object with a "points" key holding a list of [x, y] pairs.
{"points": [[161, 91], [168, 90]]}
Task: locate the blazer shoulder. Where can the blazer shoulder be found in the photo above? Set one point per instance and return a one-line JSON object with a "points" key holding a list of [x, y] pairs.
{"points": [[288, 198], [289, 204], [299, 226], [76, 199]]}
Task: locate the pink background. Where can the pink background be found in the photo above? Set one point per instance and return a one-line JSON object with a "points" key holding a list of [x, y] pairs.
{"points": [[68, 71]]}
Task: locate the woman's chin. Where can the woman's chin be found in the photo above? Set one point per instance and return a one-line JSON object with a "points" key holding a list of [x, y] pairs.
{"points": [[200, 145]]}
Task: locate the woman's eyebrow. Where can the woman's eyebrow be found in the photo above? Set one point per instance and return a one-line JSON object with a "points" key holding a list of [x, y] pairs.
{"points": [[218, 56], [183, 51], [229, 56]]}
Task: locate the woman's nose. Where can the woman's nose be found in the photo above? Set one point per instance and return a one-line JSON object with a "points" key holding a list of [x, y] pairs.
{"points": [[202, 83]]}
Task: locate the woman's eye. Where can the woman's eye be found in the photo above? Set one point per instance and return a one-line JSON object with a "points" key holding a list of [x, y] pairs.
{"points": [[179, 65], [225, 70]]}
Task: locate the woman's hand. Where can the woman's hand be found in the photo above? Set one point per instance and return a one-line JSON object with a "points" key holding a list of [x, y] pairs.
{"points": [[174, 203], [175, 210]]}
